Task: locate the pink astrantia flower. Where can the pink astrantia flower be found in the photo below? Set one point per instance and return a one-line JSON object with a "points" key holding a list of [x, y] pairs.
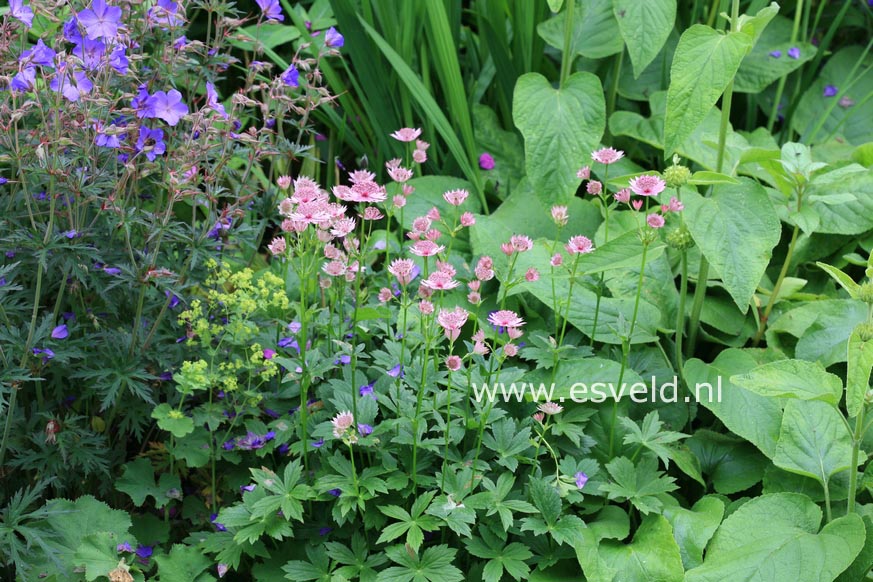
{"points": [[385, 295], [372, 213], [511, 350], [426, 248], [452, 320], [637, 204], [284, 182], [557, 260], [361, 176], [399, 201], [467, 219], [335, 268], [419, 156], [400, 174], [584, 173], [579, 245], [425, 307], [674, 206], [505, 318], [594, 187], [655, 220], [403, 270], [532, 275], [623, 195], [434, 214], [514, 333], [342, 227], [486, 161], [277, 246], [406, 134], [647, 185], [607, 155], [550, 408], [440, 281], [421, 224], [455, 197], [342, 422], [453, 363], [539, 417], [560, 215], [521, 243]]}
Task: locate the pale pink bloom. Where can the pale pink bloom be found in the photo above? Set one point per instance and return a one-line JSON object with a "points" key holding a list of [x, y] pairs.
{"points": [[393, 163], [434, 214], [425, 307], [514, 333], [480, 348], [424, 292], [426, 248], [557, 260], [335, 268], [373, 213], [368, 192], [505, 318], [440, 281], [385, 295], [455, 197], [532, 275], [311, 213], [474, 297], [674, 206], [560, 215], [288, 225], [467, 219], [305, 183], [413, 235], [623, 195], [284, 182], [521, 243], [655, 220], [607, 155], [539, 417], [400, 174], [452, 321], [507, 249], [406, 134], [277, 246], [421, 145], [453, 363], [479, 336], [407, 189], [351, 244], [342, 422], [335, 210], [484, 274], [343, 193], [324, 236], [474, 285], [433, 235], [286, 207], [637, 204], [584, 173], [447, 268], [511, 350], [331, 252], [486, 262], [403, 270], [342, 227], [594, 187], [579, 245], [421, 224], [550, 408], [419, 156], [399, 201], [647, 185], [361, 176]]}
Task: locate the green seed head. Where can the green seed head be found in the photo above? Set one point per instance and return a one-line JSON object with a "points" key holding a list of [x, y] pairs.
{"points": [[865, 293], [680, 239], [676, 176], [865, 331]]}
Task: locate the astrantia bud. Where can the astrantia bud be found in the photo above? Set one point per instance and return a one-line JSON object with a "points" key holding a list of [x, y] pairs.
{"points": [[865, 331], [676, 176], [680, 239], [865, 293]]}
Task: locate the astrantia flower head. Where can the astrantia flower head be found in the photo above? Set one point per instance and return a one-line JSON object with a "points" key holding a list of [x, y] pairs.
{"points": [[455, 197], [655, 220], [531, 275], [426, 248], [101, 20], [550, 408], [277, 246], [271, 9], [342, 422], [440, 281], [521, 243], [453, 363], [406, 134], [404, 270], [673, 206], [594, 187], [584, 173], [505, 318], [623, 195], [579, 245], [560, 215], [467, 219], [452, 320], [647, 185], [607, 155]]}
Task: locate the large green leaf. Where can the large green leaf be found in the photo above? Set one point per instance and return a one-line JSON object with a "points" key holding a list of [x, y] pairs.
{"points": [[560, 127], [754, 417], [776, 538], [184, 564], [814, 441], [820, 329], [595, 32], [736, 230], [703, 66], [793, 378], [693, 528], [652, 556], [842, 200], [858, 373], [645, 27], [731, 464]]}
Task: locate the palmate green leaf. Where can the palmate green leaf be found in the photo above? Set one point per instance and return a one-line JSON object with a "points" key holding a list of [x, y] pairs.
{"points": [[652, 556], [703, 65], [546, 499], [814, 441], [860, 364], [640, 484], [173, 421], [736, 229], [184, 564], [412, 524], [645, 27], [509, 558], [693, 528], [434, 565], [794, 379], [317, 568], [560, 127], [507, 441], [138, 481], [650, 436], [494, 500], [789, 549], [98, 555]]}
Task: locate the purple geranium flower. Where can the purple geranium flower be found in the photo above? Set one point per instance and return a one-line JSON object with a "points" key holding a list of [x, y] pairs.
{"points": [[294, 326], [318, 444], [365, 429], [830, 91], [23, 80], [46, 354], [165, 13], [396, 371], [90, 52], [144, 552], [180, 43], [218, 526], [289, 343], [60, 332], [581, 479], [794, 52], [367, 390], [212, 101], [335, 492], [125, 547], [333, 38], [269, 354], [72, 86], [112, 270], [41, 55], [775, 54], [247, 488], [251, 442], [344, 359], [324, 531], [486, 161], [118, 60], [101, 20], [20, 12], [153, 139], [271, 9], [228, 445], [167, 106], [291, 77], [222, 570]]}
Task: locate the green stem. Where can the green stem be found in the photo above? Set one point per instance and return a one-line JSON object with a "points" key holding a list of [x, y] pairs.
{"points": [[853, 468], [774, 112], [566, 56], [762, 325], [680, 314]]}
